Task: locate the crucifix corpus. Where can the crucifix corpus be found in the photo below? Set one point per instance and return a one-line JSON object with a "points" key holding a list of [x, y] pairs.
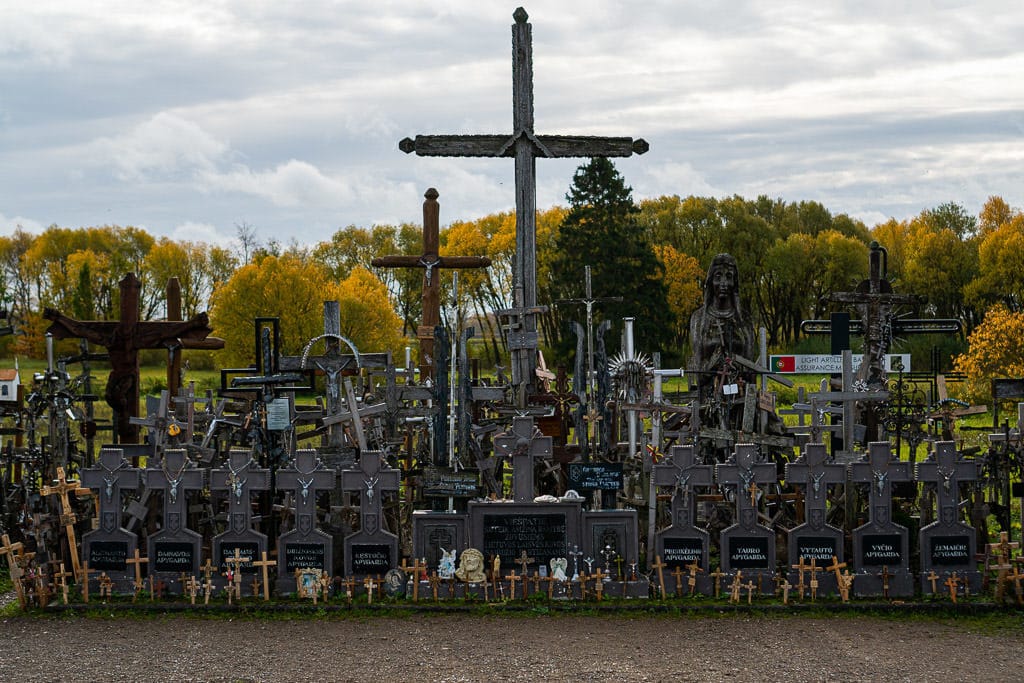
{"points": [[123, 340], [525, 146]]}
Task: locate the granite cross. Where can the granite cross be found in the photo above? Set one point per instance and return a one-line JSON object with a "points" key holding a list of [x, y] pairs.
{"points": [[880, 470], [174, 475], [305, 477], [814, 471], [682, 472], [239, 480], [523, 443], [371, 481], [525, 146], [123, 340], [946, 470], [745, 473], [429, 260]]}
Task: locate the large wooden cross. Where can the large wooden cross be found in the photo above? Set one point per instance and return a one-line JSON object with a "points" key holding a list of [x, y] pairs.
{"points": [[430, 261], [525, 146], [62, 488], [123, 340]]}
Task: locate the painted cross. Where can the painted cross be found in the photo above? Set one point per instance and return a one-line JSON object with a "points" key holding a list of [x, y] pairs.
{"points": [[815, 473], [525, 146], [745, 473], [523, 444], [175, 548], [123, 340], [880, 471], [682, 472], [429, 260]]}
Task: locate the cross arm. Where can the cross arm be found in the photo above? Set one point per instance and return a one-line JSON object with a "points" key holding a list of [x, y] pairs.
{"points": [[553, 146], [63, 327]]}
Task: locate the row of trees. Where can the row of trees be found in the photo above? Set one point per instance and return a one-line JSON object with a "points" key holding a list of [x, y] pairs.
{"points": [[652, 254]]}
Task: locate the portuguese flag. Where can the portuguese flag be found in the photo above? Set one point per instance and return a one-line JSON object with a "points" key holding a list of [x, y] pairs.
{"points": [[783, 364]]}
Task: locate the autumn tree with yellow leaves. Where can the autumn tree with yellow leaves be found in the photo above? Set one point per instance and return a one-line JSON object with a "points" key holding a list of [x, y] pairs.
{"points": [[995, 350]]}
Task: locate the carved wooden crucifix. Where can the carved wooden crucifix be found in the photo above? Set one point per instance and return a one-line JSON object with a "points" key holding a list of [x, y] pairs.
{"points": [[525, 146]]}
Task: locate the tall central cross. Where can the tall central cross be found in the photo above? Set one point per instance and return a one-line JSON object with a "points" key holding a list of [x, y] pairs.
{"points": [[525, 146], [524, 443]]}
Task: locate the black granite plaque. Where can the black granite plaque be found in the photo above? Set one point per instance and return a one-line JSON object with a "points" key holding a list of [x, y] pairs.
{"points": [[173, 557], [371, 558], [882, 549], [748, 552], [541, 536], [303, 556], [949, 550], [817, 548], [595, 476], [680, 552], [249, 551], [444, 484], [108, 555]]}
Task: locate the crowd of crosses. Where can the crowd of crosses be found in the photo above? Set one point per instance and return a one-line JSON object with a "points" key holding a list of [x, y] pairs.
{"points": [[342, 475]]}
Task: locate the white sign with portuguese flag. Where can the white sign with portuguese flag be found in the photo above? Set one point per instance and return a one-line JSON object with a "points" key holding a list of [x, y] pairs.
{"points": [[824, 363]]}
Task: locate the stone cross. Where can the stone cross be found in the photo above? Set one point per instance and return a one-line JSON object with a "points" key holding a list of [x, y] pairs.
{"points": [[371, 481], [524, 444], [68, 518], [239, 479], [525, 146], [108, 479], [681, 471], [174, 475], [305, 478], [429, 260], [745, 473], [123, 340], [946, 470], [815, 473], [880, 470]]}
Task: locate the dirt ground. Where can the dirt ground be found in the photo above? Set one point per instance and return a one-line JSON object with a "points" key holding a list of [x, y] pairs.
{"points": [[423, 648]]}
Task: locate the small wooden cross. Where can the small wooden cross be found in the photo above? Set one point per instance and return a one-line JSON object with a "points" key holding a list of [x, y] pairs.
{"points": [[207, 590], [86, 571], [933, 578], [786, 586], [846, 584], [801, 567], [734, 594], [583, 585], [234, 574], [840, 584], [885, 574], [749, 585], [137, 561], [599, 577], [11, 550], [208, 570], [370, 585], [523, 561], [264, 565], [350, 586], [952, 583], [67, 514], [753, 493], [551, 586], [512, 578], [1016, 577], [191, 586], [416, 569], [536, 581], [435, 581], [717, 576], [61, 581], [660, 567], [814, 569], [106, 585], [694, 570], [678, 574]]}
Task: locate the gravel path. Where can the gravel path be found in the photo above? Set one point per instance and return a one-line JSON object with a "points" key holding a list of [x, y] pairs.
{"points": [[422, 648]]}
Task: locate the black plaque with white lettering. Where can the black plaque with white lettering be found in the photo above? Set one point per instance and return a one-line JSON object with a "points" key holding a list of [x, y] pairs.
{"points": [[882, 549], [542, 536], [371, 558], [950, 550], [680, 552], [444, 483], [248, 550], [303, 556], [108, 555], [595, 476], [749, 552], [817, 547], [173, 557]]}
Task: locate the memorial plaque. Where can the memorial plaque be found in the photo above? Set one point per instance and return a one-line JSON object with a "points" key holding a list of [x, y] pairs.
{"points": [[882, 549], [371, 558], [602, 476], [821, 548], [173, 557], [749, 553], [249, 551], [542, 536], [108, 555], [304, 556], [679, 552], [445, 484], [950, 550], [432, 531]]}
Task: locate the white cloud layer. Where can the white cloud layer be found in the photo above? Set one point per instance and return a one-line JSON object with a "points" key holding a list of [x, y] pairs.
{"points": [[190, 118]]}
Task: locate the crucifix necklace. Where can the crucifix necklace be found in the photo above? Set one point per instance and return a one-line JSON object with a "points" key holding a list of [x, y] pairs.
{"points": [[947, 475], [173, 482], [234, 483], [110, 480], [306, 484]]}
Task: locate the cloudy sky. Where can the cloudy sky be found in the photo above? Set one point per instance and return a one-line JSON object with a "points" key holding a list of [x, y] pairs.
{"points": [[190, 118]]}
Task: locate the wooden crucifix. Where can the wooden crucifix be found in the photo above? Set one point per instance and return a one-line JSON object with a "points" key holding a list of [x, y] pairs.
{"points": [[430, 260], [523, 443], [525, 146], [123, 340], [68, 519]]}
